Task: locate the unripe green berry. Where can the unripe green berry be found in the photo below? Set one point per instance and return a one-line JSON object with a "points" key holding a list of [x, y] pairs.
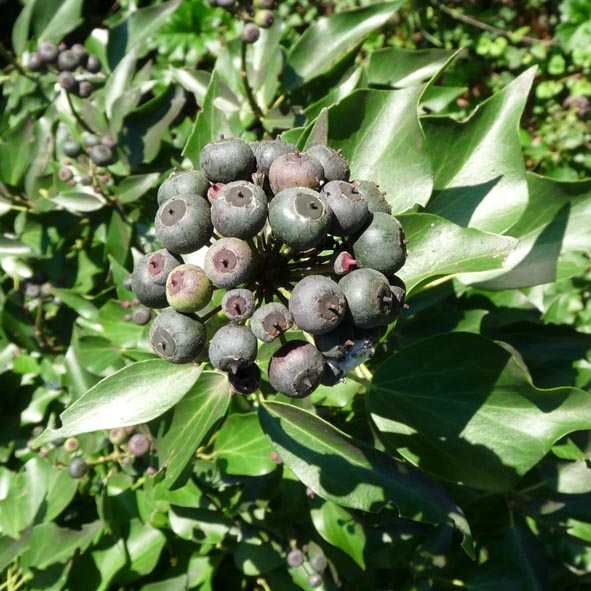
{"points": [[118, 435], [188, 288], [264, 18]]}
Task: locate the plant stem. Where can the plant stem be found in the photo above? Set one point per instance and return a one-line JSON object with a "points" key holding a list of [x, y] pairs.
{"points": [[77, 115], [247, 88]]}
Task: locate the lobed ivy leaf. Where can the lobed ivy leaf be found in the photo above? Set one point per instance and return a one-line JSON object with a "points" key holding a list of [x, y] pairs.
{"points": [[463, 408], [400, 68], [324, 42], [552, 227], [478, 165], [135, 394], [381, 137], [353, 474], [438, 249], [192, 418]]}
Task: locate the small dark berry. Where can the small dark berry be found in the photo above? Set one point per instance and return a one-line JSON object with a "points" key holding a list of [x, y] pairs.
{"points": [[47, 51], [232, 346], [267, 152], [139, 444], [295, 170], [238, 304], [64, 174], [148, 280], [296, 369], [295, 558], [80, 52], [109, 141], [336, 168], [84, 89], [67, 60], [72, 148], [101, 155], [141, 316], [185, 181], [245, 380], [77, 467], [34, 63], [93, 65], [376, 200], [90, 140], [348, 206], [229, 262], [270, 321], [228, 160], [86, 180], [314, 580], [177, 337], [67, 81], [251, 33]]}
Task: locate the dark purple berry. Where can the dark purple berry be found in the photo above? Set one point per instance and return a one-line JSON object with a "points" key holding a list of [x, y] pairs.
{"points": [[295, 170], [270, 321], [139, 444], [229, 262], [238, 304], [177, 337], [77, 467]]}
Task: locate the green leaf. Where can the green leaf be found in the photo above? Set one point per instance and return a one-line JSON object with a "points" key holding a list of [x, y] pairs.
{"points": [[478, 164], [135, 394], [77, 201], [552, 227], [254, 557], [340, 528], [20, 30], [65, 17], [191, 420], [210, 123], [15, 152], [380, 135], [466, 250], [464, 409], [398, 67], [118, 83], [352, 474], [324, 42], [131, 188], [49, 543], [243, 446]]}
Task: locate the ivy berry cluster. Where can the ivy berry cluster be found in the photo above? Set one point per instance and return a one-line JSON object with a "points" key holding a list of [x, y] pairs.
{"points": [[256, 15], [290, 244], [66, 60]]}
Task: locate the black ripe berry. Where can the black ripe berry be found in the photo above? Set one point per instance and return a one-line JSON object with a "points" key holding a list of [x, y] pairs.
{"points": [[141, 315], [67, 60], [368, 295], [233, 346], [47, 51], [246, 379], [318, 304], [251, 33], [267, 152], [239, 210], [177, 337], [348, 205], [295, 170], [227, 160], [229, 262], [72, 148], [101, 155], [376, 200], [238, 304], [336, 343], [186, 181], [34, 62], [183, 223], [77, 467], [93, 65], [270, 321], [295, 558], [381, 245], [296, 369], [300, 217], [67, 81], [139, 444], [335, 166], [148, 280]]}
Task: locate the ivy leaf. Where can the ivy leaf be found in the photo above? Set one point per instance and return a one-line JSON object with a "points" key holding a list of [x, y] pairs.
{"points": [[463, 408], [478, 165], [324, 42], [381, 137], [190, 421], [135, 394], [466, 250], [320, 455]]}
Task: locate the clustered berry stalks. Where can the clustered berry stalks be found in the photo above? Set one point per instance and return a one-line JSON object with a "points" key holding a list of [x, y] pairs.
{"points": [[66, 61], [256, 15], [86, 161], [296, 253]]}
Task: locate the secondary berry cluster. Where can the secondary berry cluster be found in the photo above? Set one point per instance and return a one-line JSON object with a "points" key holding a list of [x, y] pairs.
{"points": [[290, 244], [66, 60], [256, 15]]}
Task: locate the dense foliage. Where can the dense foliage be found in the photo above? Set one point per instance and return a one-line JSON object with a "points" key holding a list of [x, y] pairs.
{"points": [[456, 457]]}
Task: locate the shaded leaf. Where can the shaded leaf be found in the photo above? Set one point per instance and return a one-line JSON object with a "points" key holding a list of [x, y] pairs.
{"points": [[463, 408], [135, 394], [320, 456], [478, 164]]}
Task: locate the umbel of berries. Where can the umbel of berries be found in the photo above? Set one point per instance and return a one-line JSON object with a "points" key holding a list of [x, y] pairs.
{"points": [[296, 264]]}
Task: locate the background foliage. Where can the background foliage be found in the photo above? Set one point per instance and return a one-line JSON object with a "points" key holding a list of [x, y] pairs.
{"points": [[457, 457]]}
